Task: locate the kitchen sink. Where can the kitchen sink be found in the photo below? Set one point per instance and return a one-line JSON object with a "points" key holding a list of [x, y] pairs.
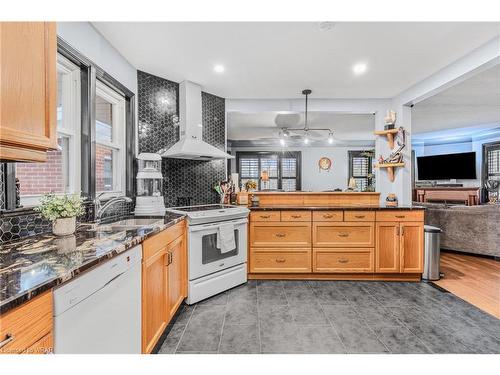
{"points": [[126, 224]]}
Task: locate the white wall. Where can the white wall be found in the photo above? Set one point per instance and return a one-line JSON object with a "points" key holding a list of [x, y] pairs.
{"points": [[312, 178], [87, 40]]}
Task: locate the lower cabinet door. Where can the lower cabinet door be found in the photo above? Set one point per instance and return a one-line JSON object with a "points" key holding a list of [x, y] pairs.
{"points": [[412, 247], [349, 260], [154, 299], [387, 256], [176, 275], [272, 261]]}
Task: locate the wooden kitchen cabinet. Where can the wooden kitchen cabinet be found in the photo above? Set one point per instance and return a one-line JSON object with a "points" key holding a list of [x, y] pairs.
{"points": [[28, 328], [400, 247], [280, 234], [177, 277], [412, 247], [387, 247], [164, 282], [28, 55], [343, 234], [155, 312]]}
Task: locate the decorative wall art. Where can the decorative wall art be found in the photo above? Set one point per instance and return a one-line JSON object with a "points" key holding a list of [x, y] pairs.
{"points": [[325, 164]]}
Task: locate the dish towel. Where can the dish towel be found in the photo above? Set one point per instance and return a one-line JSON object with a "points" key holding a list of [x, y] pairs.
{"points": [[225, 239]]}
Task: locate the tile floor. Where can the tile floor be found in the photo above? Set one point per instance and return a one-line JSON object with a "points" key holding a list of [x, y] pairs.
{"points": [[333, 317]]}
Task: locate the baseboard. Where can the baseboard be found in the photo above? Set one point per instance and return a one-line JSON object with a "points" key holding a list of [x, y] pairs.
{"points": [[336, 276]]}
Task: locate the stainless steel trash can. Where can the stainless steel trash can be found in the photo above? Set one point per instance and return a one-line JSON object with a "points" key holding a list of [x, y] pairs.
{"points": [[431, 253]]}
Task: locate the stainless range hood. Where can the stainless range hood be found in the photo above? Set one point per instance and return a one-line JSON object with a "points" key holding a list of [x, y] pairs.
{"points": [[191, 144]]}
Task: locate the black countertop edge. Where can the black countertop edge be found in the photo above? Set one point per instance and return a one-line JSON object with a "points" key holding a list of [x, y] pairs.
{"points": [[335, 208], [25, 296]]}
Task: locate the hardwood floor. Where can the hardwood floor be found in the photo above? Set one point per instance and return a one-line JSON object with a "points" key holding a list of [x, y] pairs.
{"points": [[474, 279]]}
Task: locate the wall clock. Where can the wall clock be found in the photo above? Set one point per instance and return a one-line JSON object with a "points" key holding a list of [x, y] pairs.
{"points": [[324, 164]]}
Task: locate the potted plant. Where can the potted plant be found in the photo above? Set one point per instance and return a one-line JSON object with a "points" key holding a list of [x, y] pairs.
{"points": [[62, 210]]}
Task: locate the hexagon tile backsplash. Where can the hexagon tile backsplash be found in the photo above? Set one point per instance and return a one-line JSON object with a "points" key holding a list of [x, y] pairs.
{"points": [[184, 181]]}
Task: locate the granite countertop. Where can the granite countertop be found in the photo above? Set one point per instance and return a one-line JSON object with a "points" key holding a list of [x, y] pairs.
{"points": [[335, 208], [35, 264]]}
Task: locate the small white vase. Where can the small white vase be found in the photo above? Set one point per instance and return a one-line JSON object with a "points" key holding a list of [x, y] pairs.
{"points": [[64, 226]]}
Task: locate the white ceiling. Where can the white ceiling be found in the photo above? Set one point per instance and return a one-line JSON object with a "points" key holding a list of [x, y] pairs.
{"points": [[347, 128], [278, 60], [473, 105]]}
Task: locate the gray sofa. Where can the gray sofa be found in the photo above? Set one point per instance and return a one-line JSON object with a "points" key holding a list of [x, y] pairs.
{"points": [[471, 229]]}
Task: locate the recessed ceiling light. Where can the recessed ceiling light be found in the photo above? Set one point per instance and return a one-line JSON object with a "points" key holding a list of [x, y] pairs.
{"points": [[219, 68], [359, 68]]}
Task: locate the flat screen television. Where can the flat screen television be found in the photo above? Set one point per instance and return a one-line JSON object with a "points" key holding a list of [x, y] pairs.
{"points": [[448, 166]]}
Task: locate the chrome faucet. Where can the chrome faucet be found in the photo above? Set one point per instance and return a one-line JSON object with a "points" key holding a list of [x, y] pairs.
{"points": [[100, 209]]}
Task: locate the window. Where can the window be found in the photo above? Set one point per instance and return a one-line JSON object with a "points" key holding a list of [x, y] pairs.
{"points": [[492, 158], [281, 168], [360, 168], [110, 140], [55, 175]]}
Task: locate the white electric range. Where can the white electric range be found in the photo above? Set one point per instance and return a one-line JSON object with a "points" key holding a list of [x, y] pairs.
{"points": [[211, 271]]}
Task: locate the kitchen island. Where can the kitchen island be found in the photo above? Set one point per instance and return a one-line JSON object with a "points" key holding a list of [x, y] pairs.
{"points": [[334, 236]]}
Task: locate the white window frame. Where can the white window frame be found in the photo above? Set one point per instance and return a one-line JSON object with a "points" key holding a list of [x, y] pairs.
{"points": [[70, 128], [117, 143]]}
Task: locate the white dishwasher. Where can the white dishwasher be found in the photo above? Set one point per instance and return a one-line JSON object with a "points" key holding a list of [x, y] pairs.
{"points": [[100, 311]]}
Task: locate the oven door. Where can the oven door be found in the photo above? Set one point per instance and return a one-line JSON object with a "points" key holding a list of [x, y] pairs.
{"points": [[204, 256]]}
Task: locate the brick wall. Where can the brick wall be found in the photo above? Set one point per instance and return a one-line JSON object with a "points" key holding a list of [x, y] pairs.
{"points": [[101, 154], [40, 178]]}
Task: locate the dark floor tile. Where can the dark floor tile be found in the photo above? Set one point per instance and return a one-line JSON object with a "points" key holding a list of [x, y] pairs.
{"points": [[172, 340], [271, 296], [185, 312], [378, 316], [362, 299], [201, 337], [437, 339], [219, 299], [274, 314], [240, 339], [357, 337], [401, 340], [340, 315], [326, 296], [300, 295], [208, 313], [243, 293], [478, 340], [244, 313], [295, 284], [308, 314]]}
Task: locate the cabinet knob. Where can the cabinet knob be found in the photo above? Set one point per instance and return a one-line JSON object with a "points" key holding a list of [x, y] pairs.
{"points": [[327, 216], [343, 260], [265, 216], [280, 235], [280, 260], [400, 216], [359, 216], [296, 216], [343, 234]]}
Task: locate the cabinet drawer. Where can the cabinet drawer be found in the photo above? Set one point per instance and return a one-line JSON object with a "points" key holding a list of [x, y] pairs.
{"points": [[265, 216], [400, 215], [359, 216], [280, 234], [343, 260], [295, 215], [269, 260], [26, 324], [153, 244], [343, 234], [328, 216]]}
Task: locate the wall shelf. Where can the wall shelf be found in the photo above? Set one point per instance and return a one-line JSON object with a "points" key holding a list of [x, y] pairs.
{"points": [[389, 134], [390, 168]]}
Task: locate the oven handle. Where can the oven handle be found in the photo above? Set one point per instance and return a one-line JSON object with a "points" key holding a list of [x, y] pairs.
{"points": [[197, 228]]}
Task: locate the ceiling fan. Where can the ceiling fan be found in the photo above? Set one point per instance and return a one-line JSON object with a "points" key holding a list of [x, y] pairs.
{"points": [[287, 120]]}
